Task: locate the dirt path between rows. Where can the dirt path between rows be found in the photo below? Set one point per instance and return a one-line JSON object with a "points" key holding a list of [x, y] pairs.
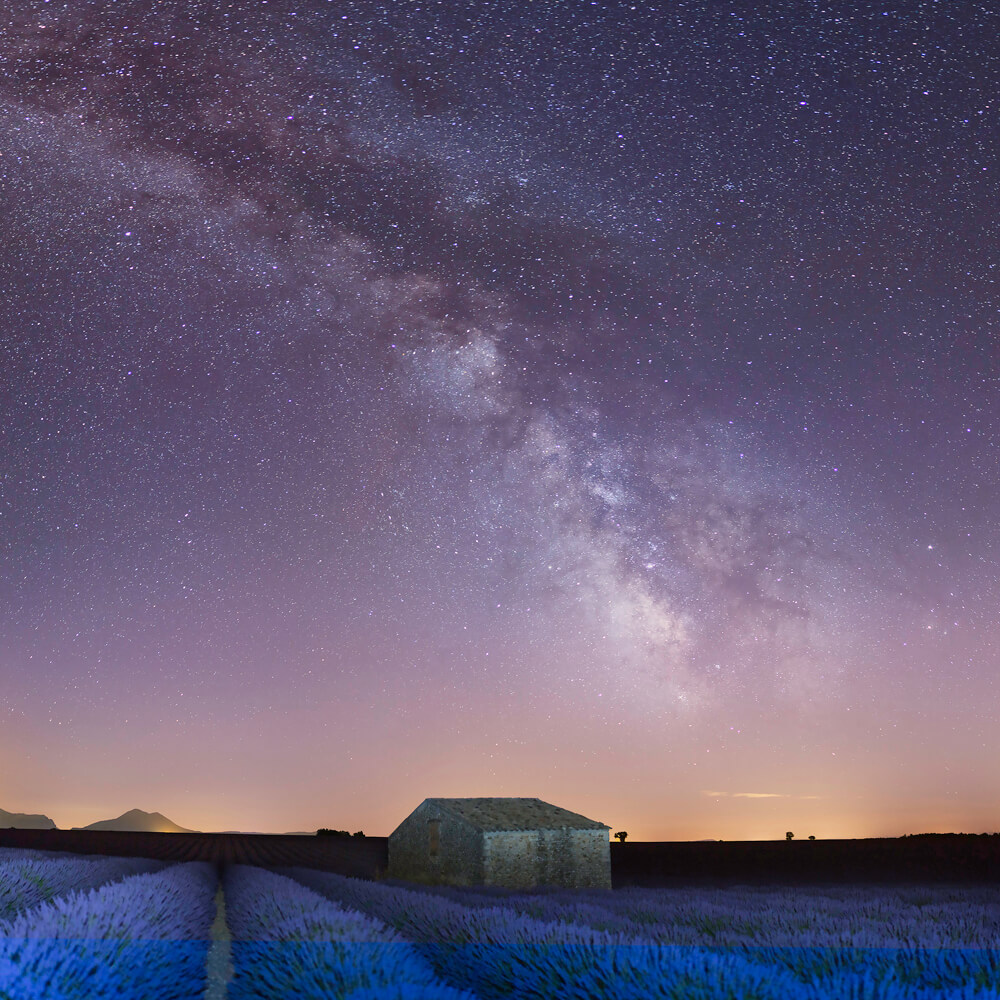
{"points": [[219, 964]]}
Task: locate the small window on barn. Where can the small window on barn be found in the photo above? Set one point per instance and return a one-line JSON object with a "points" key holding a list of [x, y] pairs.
{"points": [[433, 836]]}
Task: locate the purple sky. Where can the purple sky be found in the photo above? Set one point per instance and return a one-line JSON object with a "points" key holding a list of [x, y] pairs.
{"points": [[573, 400]]}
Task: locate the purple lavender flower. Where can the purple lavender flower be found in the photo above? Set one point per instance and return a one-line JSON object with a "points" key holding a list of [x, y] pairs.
{"points": [[26, 882], [291, 942], [146, 936]]}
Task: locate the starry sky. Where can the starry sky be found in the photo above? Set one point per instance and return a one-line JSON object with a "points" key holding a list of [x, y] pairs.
{"points": [[583, 400]]}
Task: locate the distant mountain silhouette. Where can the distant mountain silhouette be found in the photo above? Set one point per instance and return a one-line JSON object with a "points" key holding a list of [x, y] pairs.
{"points": [[137, 821], [25, 821]]}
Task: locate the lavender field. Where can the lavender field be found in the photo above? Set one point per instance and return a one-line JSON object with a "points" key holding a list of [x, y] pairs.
{"points": [[75, 927]]}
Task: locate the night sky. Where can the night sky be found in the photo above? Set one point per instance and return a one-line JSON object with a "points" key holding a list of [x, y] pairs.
{"points": [[577, 400]]}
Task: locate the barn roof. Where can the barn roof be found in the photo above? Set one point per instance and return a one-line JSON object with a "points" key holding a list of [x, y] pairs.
{"points": [[516, 814]]}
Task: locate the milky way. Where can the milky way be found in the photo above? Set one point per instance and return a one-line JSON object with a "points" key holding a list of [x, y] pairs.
{"points": [[579, 400]]}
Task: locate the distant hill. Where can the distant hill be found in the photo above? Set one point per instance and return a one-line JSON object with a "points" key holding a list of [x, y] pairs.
{"points": [[137, 821], [25, 821]]}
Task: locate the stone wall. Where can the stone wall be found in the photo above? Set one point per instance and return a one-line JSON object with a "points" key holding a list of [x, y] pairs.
{"points": [[459, 858], [573, 859]]}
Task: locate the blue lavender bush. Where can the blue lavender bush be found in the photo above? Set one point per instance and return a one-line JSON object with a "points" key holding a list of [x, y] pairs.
{"points": [[143, 937], [26, 882], [496, 949], [291, 942]]}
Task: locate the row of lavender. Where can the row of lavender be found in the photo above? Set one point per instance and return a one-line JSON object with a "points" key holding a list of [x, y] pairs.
{"points": [[31, 877], [327, 936], [76, 927], [842, 916], [123, 928], [650, 943], [292, 942]]}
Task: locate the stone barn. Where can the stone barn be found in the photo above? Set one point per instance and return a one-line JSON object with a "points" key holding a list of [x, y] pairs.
{"points": [[514, 843]]}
